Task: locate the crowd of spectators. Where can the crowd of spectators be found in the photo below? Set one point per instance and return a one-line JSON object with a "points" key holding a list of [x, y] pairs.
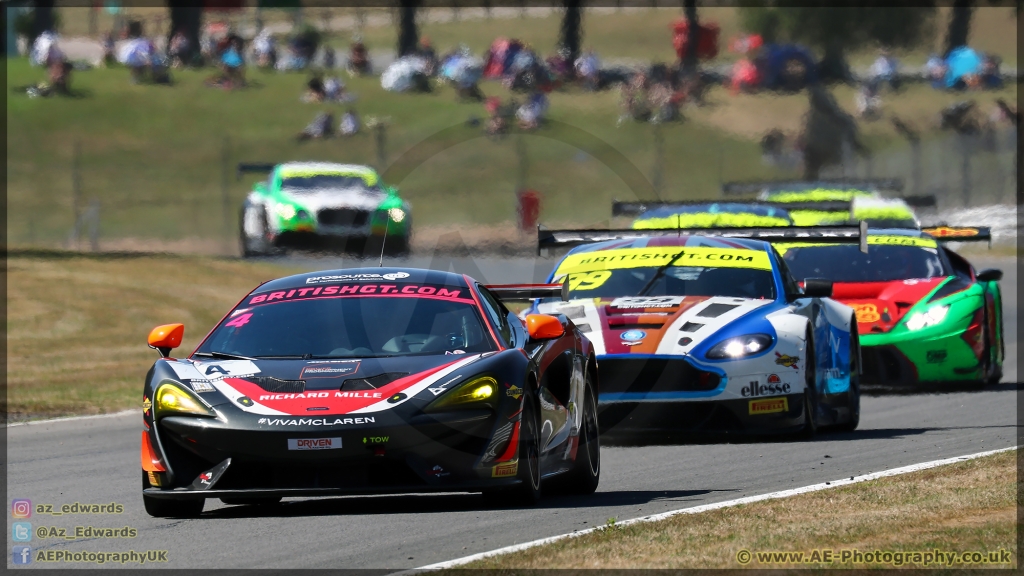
{"points": [[654, 93]]}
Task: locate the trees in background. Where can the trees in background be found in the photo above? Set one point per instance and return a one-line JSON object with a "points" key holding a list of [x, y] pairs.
{"points": [[408, 36], [186, 16], [835, 30], [570, 33], [693, 39], [959, 25]]}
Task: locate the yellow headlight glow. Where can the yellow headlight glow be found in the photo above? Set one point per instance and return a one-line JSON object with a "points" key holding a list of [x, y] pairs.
{"points": [[396, 214], [482, 392], [286, 211], [172, 399], [477, 390]]}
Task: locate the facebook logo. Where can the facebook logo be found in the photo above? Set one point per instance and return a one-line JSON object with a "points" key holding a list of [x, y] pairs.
{"points": [[21, 555], [21, 532]]}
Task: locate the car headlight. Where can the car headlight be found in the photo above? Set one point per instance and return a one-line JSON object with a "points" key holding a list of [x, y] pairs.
{"points": [[740, 346], [302, 215], [286, 211], [396, 214], [481, 390], [929, 317], [172, 399]]}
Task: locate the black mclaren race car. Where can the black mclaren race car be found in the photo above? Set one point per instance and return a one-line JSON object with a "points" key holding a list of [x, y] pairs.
{"points": [[375, 380]]}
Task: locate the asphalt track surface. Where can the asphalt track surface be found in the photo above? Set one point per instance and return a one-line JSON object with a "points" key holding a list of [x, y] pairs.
{"points": [[97, 461]]}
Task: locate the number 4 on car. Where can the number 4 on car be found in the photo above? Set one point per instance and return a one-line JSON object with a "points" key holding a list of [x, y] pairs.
{"points": [[376, 380]]}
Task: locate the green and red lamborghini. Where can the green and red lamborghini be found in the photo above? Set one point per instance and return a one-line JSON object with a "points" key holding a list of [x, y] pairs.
{"points": [[923, 313]]}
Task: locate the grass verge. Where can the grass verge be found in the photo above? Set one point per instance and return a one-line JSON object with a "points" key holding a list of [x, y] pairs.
{"points": [[77, 324], [965, 507], [160, 160]]}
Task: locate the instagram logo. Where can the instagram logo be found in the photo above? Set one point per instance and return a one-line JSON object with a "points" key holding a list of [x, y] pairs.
{"points": [[21, 508]]}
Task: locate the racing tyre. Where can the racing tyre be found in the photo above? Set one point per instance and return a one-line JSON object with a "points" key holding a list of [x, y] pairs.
{"points": [[854, 399], [254, 243], [527, 493], [585, 474], [810, 394], [993, 370]]}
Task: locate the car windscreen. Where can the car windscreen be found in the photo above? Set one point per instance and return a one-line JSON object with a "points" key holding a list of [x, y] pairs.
{"points": [[882, 263], [353, 325], [309, 183], [668, 271]]}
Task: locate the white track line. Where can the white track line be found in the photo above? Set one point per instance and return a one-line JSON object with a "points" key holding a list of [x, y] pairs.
{"points": [[72, 418], [706, 507]]}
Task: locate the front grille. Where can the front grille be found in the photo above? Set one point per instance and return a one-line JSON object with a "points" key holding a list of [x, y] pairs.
{"points": [[342, 217], [351, 474], [886, 365], [372, 382], [654, 375], [279, 386]]}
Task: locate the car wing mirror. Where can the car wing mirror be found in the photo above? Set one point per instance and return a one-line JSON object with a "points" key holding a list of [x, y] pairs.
{"points": [[990, 275], [166, 338], [817, 288], [544, 327]]}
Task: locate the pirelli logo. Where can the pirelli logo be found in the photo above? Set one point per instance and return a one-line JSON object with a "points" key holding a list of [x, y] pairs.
{"points": [[505, 469], [768, 406]]}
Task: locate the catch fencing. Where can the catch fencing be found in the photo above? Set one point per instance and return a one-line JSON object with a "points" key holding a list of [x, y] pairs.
{"points": [[972, 176]]}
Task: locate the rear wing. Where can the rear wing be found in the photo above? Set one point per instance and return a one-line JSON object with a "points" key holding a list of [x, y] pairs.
{"points": [[620, 208], [250, 167], [755, 187], [922, 201], [527, 292], [846, 234], [960, 233]]}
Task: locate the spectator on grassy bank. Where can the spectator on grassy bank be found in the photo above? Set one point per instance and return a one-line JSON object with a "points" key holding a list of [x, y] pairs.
{"points": [[463, 71], [588, 69], [109, 58], [991, 79], [264, 49], [322, 126], [407, 74], [136, 53], [935, 69], [634, 99], [867, 101], [883, 71], [178, 49], [426, 50], [350, 123], [500, 115], [315, 92], [657, 95], [231, 64], [358, 59], [330, 89], [531, 114], [47, 54]]}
